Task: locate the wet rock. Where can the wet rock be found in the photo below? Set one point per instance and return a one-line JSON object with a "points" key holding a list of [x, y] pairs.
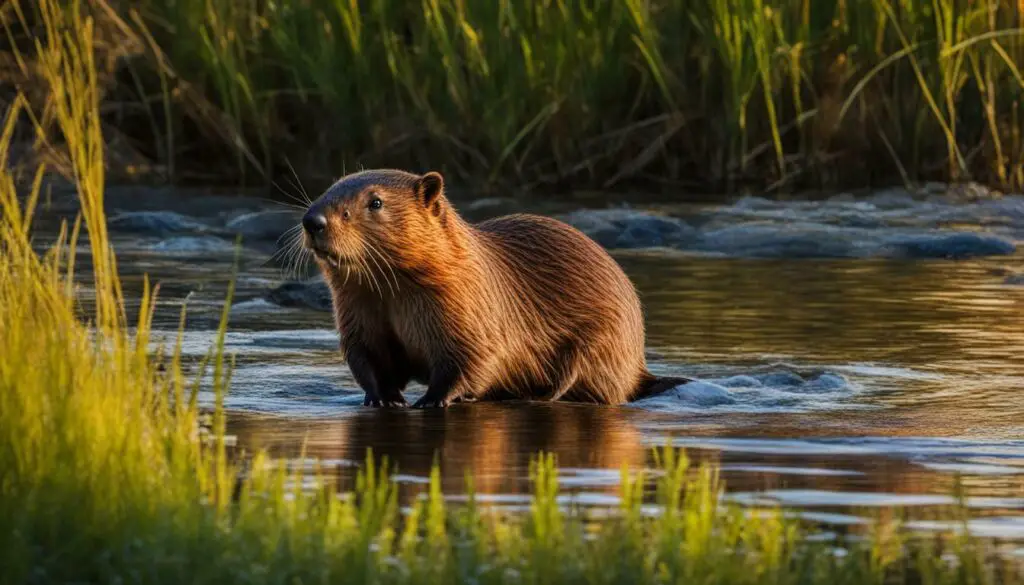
{"points": [[309, 294], [934, 188], [895, 198], [303, 339], [842, 198], [1014, 279], [263, 225], [865, 219], [741, 381], [780, 379], [850, 239], [1009, 209], [752, 202], [841, 211], [826, 382], [781, 241], [888, 208], [309, 388], [155, 223], [252, 282], [600, 230], [949, 246], [254, 306], [192, 245], [970, 192], [700, 393], [653, 231], [624, 228]]}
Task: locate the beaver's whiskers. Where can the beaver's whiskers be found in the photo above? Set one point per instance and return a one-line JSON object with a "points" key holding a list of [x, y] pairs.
{"points": [[375, 252]]}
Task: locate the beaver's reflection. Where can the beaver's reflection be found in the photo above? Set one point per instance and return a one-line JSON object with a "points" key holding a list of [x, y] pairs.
{"points": [[495, 442], [492, 441]]}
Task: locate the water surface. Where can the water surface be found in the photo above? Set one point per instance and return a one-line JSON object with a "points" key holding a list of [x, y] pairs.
{"points": [[853, 384]]}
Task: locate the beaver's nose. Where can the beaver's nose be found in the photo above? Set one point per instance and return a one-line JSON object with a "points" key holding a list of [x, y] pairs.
{"points": [[314, 223]]}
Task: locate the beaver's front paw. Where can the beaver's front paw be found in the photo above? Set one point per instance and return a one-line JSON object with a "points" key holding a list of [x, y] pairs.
{"points": [[428, 401]]}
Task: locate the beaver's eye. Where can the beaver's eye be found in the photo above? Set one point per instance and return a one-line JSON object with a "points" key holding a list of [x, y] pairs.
{"points": [[376, 203]]}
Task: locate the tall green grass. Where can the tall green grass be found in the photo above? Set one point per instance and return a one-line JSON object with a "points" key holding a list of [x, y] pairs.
{"points": [[713, 93], [107, 474]]}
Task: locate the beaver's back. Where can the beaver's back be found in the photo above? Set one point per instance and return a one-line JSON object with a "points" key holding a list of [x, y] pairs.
{"points": [[565, 293], [563, 266]]}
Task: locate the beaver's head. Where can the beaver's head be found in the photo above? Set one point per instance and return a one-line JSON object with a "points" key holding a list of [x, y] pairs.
{"points": [[376, 220]]}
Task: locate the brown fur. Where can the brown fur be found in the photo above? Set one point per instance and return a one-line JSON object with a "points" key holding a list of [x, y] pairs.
{"points": [[519, 306]]}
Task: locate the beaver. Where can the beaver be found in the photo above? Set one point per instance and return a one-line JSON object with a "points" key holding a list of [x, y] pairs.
{"points": [[515, 307]]}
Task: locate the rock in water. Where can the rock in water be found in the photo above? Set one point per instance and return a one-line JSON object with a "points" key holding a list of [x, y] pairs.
{"points": [[740, 381], [625, 228], [263, 225], [193, 245], [826, 383], [155, 223], [310, 294], [699, 393], [950, 246], [694, 394], [780, 379], [806, 240]]}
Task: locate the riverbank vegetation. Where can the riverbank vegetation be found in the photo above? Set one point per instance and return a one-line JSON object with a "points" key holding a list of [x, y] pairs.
{"points": [[109, 471], [705, 95]]}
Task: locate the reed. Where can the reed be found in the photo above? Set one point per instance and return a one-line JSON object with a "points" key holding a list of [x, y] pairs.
{"points": [[109, 472], [716, 93], [721, 94]]}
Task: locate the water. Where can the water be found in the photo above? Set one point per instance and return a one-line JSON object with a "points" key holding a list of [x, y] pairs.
{"points": [[850, 385]]}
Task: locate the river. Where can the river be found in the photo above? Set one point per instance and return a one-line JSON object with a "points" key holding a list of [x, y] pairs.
{"points": [[834, 381]]}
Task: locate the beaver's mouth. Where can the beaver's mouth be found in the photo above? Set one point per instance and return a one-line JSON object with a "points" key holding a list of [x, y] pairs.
{"points": [[329, 256]]}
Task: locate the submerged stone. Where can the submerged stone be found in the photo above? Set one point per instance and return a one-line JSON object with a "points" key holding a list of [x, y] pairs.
{"points": [[782, 241], [155, 223], [949, 246], [777, 379], [264, 225], [895, 198], [310, 294], [700, 393], [193, 245], [625, 228], [254, 306], [742, 381], [826, 382], [969, 192]]}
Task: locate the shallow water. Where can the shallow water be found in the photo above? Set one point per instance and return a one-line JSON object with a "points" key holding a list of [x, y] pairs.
{"points": [[835, 385]]}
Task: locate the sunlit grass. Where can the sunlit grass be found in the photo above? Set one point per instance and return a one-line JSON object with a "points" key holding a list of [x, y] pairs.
{"points": [[106, 474]]}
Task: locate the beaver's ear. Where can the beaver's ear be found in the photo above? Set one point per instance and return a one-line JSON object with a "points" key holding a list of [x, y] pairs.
{"points": [[429, 189]]}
